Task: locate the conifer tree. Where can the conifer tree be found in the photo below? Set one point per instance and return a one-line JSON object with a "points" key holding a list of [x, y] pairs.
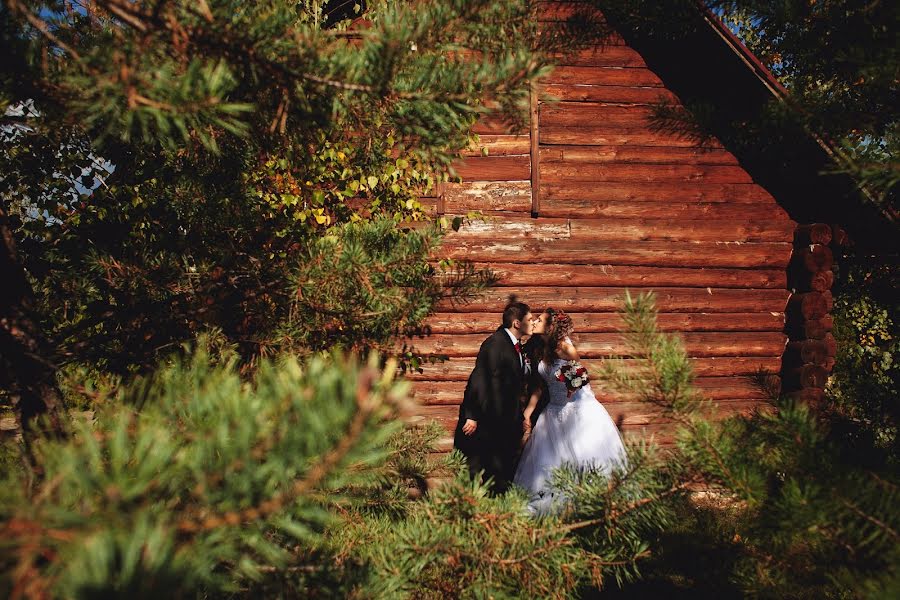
{"points": [[166, 164]]}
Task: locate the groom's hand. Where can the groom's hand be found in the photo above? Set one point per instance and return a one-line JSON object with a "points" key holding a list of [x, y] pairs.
{"points": [[469, 427]]}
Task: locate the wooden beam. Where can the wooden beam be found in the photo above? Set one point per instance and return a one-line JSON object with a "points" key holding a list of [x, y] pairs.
{"points": [[656, 155], [599, 230], [450, 393], [459, 368], [609, 299], [568, 275], [634, 76], [667, 192], [600, 345], [447, 323], [608, 93], [600, 208], [638, 253]]}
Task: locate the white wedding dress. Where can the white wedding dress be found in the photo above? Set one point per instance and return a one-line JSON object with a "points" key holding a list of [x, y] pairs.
{"points": [[574, 430]]}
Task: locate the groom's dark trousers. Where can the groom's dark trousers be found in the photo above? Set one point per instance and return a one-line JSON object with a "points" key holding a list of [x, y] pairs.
{"points": [[493, 399]]}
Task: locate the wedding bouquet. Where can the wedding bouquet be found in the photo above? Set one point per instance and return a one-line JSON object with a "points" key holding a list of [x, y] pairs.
{"points": [[574, 375]]}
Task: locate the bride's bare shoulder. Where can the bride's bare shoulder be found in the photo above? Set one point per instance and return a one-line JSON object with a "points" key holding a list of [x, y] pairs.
{"points": [[567, 350]]}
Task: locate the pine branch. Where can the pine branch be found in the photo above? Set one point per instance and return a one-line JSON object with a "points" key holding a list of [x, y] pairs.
{"points": [[618, 513], [871, 519]]}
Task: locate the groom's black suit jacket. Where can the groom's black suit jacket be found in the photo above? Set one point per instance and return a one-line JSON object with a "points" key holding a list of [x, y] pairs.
{"points": [[493, 398]]}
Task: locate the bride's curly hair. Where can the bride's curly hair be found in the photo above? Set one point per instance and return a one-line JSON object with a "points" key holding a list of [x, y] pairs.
{"points": [[560, 327]]}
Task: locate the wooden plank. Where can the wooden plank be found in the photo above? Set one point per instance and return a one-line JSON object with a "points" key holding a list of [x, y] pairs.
{"points": [[657, 155], [512, 196], [599, 345], [564, 171], [619, 135], [567, 275], [674, 209], [487, 322], [493, 168], [634, 76], [600, 56], [500, 145], [627, 415], [450, 393], [668, 191], [595, 230], [593, 299], [576, 114], [638, 253], [626, 94], [459, 368]]}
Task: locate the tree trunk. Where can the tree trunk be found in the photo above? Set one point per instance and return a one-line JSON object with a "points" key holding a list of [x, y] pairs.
{"points": [[24, 368]]}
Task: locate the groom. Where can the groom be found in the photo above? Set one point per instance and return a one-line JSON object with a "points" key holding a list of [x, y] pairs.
{"points": [[489, 429]]}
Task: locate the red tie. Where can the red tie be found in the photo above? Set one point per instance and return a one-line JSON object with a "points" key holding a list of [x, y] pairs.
{"points": [[519, 347]]}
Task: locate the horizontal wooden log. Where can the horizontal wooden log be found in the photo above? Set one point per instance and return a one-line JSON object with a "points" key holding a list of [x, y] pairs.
{"points": [[511, 196], [599, 345], [458, 369], [524, 275], [607, 93], [618, 135], [557, 172], [635, 76], [600, 56], [815, 233], [626, 415], [815, 257], [599, 208], [678, 192], [487, 322], [809, 305], [698, 230], [493, 168], [450, 393], [500, 145], [576, 114], [589, 299], [639, 253], [638, 154]]}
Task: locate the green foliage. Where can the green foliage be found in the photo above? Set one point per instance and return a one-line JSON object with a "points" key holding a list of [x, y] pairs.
{"points": [[169, 163], [866, 381], [197, 480], [459, 542], [368, 283], [662, 374], [806, 508]]}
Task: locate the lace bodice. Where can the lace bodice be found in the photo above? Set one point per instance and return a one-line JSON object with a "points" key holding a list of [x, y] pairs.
{"points": [[555, 387]]}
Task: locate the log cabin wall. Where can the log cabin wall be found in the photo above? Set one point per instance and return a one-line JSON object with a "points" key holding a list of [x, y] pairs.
{"points": [[592, 199]]}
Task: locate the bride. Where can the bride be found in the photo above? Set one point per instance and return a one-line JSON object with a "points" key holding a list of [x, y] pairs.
{"points": [[573, 429]]}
